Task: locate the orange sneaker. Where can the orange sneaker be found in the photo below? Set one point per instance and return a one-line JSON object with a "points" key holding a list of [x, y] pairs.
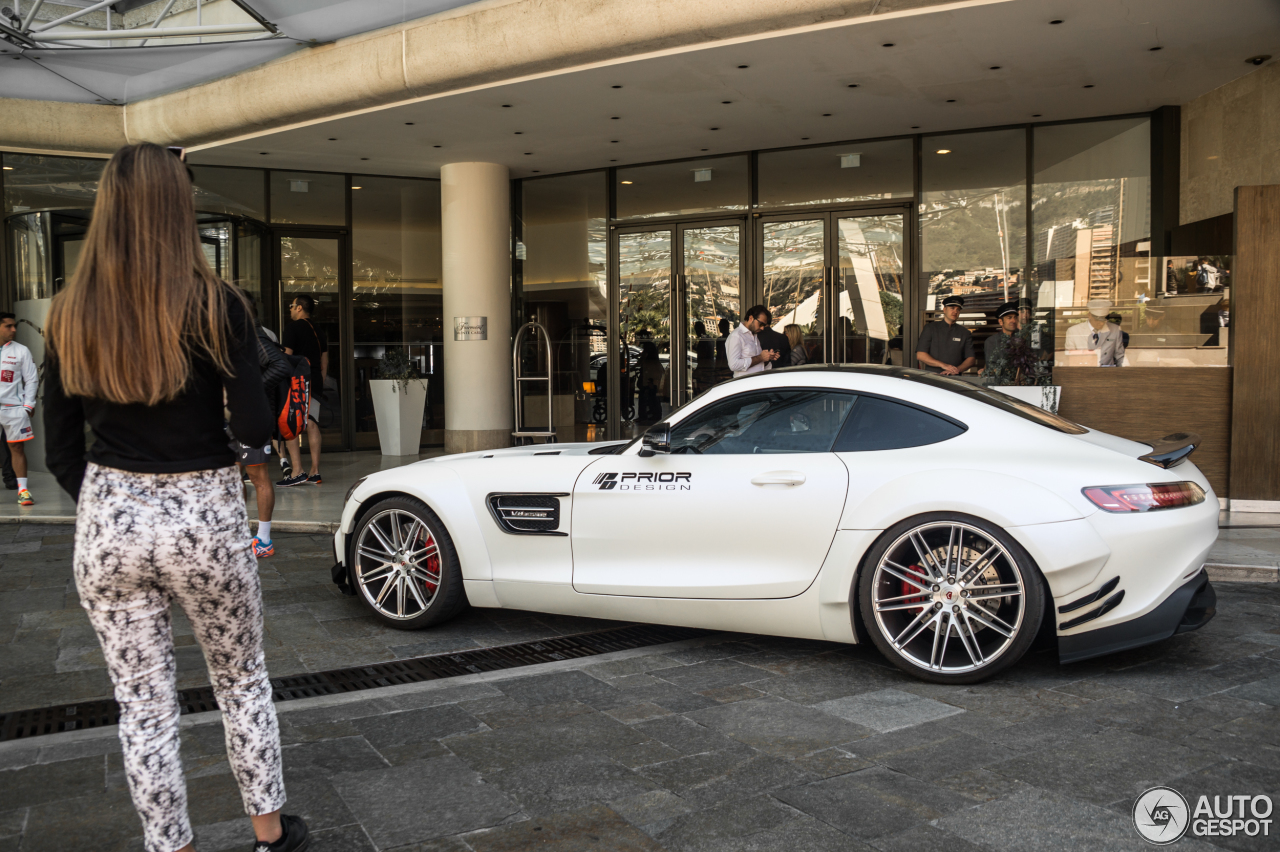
{"points": [[25, 498]]}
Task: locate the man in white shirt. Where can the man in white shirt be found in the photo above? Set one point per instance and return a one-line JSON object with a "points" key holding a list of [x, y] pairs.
{"points": [[18, 384], [743, 349]]}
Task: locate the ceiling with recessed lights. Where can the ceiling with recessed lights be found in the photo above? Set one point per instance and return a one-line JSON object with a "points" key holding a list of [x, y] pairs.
{"points": [[976, 66]]}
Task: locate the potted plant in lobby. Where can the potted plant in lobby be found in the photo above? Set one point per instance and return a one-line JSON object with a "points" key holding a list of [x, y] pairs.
{"points": [[399, 398], [1017, 369]]}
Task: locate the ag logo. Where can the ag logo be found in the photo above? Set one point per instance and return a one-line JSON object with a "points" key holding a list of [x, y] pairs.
{"points": [[1161, 816], [607, 481]]}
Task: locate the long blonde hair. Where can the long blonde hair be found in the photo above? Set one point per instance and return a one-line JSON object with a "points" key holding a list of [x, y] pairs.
{"points": [[143, 299], [794, 333]]}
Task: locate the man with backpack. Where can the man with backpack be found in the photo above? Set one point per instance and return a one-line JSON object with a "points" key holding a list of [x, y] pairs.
{"points": [[253, 460], [301, 337]]}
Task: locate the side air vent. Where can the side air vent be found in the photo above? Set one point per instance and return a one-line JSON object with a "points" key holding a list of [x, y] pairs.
{"points": [[1107, 605], [527, 514], [1098, 595]]}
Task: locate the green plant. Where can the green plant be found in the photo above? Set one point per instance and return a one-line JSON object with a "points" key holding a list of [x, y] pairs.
{"points": [[397, 366]]}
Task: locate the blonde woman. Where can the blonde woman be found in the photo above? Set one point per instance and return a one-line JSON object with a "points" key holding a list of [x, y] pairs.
{"points": [[795, 336], [142, 345]]}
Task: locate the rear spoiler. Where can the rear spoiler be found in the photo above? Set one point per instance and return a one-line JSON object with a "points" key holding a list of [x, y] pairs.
{"points": [[1171, 450]]}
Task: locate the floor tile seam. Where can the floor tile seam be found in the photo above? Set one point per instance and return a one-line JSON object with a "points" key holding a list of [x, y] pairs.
{"points": [[378, 693]]}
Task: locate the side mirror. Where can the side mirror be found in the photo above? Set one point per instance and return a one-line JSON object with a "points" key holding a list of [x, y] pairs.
{"points": [[656, 440]]}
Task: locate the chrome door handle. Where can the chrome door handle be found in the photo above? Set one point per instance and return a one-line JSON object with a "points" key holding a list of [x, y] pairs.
{"points": [[779, 477]]}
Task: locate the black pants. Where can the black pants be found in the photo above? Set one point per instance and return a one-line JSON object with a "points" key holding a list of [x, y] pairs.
{"points": [[10, 478]]}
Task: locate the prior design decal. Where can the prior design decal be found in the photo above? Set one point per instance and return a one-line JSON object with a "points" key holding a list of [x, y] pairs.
{"points": [[666, 481]]}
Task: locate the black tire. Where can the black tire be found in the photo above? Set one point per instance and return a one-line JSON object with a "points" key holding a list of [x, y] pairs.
{"points": [[929, 580], [389, 528]]}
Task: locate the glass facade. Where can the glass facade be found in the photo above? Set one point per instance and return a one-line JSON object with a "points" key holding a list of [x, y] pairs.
{"points": [[561, 264], [396, 291], [836, 174], [687, 186], [308, 198]]}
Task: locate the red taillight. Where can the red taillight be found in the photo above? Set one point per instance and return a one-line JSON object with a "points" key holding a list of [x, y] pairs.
{"points": [[1145, 498]]}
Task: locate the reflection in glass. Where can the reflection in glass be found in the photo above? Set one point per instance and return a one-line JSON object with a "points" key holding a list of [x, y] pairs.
{"points": [[870, 312], [794, 275], [973, 224], [396, 292], [833, 174], [227, 190], [35, 182], [713, 277], [308, 198], [310, 265], [644, 275], [565, 287], [689, 186]]}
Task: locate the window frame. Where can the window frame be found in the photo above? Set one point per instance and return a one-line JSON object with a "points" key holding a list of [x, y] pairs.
{"points": [[923, 409]]}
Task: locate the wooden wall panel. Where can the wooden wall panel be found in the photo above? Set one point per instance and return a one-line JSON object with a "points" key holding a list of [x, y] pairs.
{"points": [[1255, 346], [1140, 403]]}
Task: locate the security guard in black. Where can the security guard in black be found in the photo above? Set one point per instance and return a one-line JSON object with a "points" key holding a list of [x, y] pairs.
{"points": [[945, 346]]}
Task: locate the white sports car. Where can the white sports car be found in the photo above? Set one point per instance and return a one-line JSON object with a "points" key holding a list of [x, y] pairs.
{"points": [[941, 520]]}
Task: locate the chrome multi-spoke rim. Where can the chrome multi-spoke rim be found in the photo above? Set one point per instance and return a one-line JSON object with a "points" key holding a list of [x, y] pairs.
{"points": [[948, 597], [398, 564]]}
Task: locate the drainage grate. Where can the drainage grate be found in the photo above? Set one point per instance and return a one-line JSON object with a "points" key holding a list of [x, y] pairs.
{"points": [[23, 724]]}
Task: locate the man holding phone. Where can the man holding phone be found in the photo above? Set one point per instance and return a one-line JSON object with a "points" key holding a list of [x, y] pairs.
{"points": [[743, 349]]}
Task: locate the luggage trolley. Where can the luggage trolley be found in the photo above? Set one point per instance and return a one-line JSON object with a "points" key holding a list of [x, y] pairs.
{"points": [[521, 435]]}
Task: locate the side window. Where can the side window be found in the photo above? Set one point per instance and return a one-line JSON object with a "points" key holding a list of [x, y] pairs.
{"points": [[881, 424], [775, 421]]}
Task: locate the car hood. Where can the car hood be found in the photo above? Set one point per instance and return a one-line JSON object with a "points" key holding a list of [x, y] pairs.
{"points": [[533, 450]]}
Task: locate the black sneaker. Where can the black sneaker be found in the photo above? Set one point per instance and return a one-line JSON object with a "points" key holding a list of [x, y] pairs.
{"points": [[12, 485], [290, 481], [314, 479], [295, 837]]}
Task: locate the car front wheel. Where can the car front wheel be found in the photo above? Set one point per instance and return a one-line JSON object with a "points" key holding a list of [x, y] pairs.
{"points": [[404, 565], [950, 598]]}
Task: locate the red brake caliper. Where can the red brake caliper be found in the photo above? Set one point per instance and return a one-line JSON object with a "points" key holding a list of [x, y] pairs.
{"points": [[433, 563], [908, 588]]}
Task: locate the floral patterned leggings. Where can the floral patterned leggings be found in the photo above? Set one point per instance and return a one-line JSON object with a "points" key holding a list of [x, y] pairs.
{"points": [[143, 542]]}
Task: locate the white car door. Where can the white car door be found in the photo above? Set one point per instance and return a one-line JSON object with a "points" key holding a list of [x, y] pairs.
{"points": [[745, 505]]}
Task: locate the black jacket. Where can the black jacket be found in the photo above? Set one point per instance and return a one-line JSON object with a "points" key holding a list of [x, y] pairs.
{"points": [[275, 368]]}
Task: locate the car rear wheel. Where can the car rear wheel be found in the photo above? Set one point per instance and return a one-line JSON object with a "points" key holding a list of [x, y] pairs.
{"points": [[950, 598], [405, 567]]}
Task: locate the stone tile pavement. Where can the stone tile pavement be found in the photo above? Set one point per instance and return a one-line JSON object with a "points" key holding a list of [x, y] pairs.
{"points": [[722, 743]]}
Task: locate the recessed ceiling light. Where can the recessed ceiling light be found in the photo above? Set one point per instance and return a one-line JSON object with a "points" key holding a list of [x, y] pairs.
{"points": [[613, 161], [1035, 115], [951, 100], [528, 153], [1056, 22], [826, 115], [726, 102], [519, 132], [10, 168], [744, 66], [364, 158], [357, 187], [613, 141], [887, 44], [715, 128], [1089, 86], [1252, 60], [408, 124], [804, 138], [435, 146], [263, 153], [506, 106], [626, 182], [943, 151], [617, 87], [535, 171], [1153, 49], [700, 149], [333, 139], [994, 68], [915, 127]]}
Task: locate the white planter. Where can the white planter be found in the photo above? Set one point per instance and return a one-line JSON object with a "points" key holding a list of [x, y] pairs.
{"points": [[398, 408], [1043, 397]]}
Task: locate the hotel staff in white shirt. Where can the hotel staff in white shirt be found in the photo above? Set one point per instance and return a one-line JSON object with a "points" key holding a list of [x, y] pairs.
{"points": [[743, 349]]}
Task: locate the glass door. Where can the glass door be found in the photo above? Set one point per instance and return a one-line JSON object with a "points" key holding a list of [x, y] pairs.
{"points": [[836, 280], [679, 296], [315, 264]]}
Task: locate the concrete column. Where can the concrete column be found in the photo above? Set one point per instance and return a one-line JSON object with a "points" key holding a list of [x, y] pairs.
{"points": [[476, 237]]}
